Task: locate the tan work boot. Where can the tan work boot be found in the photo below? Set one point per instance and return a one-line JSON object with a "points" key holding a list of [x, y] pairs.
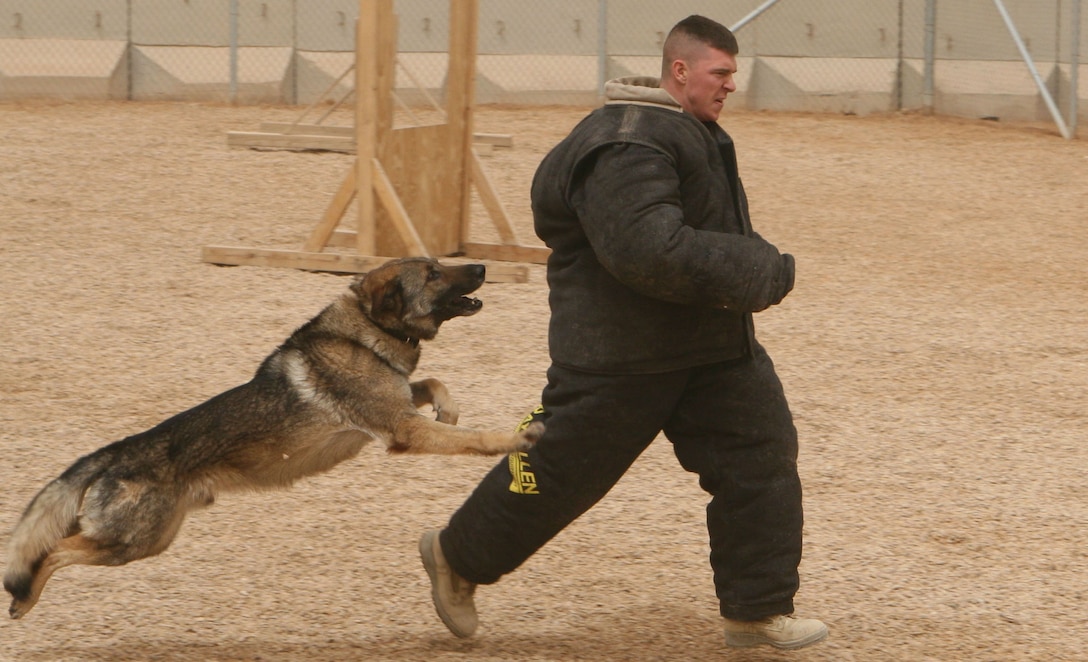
{"points": [[780, 631], [452, 594]]}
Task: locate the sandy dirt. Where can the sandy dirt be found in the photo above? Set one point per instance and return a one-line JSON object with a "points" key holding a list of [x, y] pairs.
{"points": [[935, 351]]}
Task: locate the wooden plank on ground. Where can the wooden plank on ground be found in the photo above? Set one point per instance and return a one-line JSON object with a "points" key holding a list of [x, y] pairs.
{"points": [[332, 262], [307, 261], [472, 250], [507, 253], [314, 137], [493, 139], [294, 141], [289, 128]]}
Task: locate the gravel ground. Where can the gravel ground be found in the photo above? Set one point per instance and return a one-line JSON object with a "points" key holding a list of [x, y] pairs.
{"points": [[934, 351]]}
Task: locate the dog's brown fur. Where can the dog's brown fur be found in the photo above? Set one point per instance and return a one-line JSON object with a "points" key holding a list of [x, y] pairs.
{"points": [[335, 384]]}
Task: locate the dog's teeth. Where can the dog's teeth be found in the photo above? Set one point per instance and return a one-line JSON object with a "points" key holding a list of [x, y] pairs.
{"points": [[286, 456]]}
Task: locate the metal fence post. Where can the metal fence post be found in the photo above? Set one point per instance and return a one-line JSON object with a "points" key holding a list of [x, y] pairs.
{"points": [[899, 61], [233, 51], [602, 47], [930, 54], [128, 51], [1039, 82], [294, 51], [1074, 64], [752, 15]]}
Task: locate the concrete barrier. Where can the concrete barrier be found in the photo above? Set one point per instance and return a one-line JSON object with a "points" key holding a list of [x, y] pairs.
{"points": [[203, 73], [998, 90], [63, 69], [536, 79], [857, 86]]}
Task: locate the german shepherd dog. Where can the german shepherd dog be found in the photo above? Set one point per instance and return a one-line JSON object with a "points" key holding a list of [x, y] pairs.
{"points": [[335, 384]]}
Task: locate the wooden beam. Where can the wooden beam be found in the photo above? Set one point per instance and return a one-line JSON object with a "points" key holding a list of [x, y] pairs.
{"points": [[506, 253], [332, 262], [474, 250], [319, 238], [432, 167], [298, 142], [397, 214], [461, 99], [387, 66], [366, 121], [266, 257], [312, 137], [290, 129], [493, 139], [342, 239], [491, 202]]}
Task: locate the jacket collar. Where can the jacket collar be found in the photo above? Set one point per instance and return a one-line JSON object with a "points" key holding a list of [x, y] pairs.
{"points": [[643, 90]]}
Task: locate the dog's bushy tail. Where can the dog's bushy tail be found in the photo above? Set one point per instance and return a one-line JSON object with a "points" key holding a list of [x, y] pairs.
{"points": [[51, 515]]}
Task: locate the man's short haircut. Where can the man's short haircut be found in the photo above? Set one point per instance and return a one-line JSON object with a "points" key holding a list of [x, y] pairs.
{"points": [[696, 30]]}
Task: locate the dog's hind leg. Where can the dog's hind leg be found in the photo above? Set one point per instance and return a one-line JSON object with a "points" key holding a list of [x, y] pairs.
{"points": [[73, 550], [122, 521]]}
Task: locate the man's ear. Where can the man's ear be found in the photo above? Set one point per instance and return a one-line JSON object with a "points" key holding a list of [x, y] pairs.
{"points": [[679, 71]]}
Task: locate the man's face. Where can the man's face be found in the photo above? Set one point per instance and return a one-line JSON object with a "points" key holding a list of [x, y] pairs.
{"points": [[706, 79]]}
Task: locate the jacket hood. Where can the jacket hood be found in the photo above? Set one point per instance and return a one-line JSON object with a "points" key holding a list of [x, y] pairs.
{"points": [[639, 89]]}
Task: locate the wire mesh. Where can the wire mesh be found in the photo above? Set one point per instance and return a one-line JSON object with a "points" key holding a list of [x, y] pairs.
{"points": [[826, 55]]}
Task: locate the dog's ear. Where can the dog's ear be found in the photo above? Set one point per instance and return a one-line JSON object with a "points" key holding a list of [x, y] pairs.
{"points": [[392, 298], [379, 293]]}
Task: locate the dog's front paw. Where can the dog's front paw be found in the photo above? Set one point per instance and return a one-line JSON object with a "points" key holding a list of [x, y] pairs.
{"points": [[530, 435], [447, 414]]}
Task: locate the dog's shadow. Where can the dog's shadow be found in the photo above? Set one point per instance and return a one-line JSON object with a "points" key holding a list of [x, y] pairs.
{"points": [[593, 644], [136, 648]]}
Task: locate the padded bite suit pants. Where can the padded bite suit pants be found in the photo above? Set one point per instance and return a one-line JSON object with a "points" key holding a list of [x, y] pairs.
{"points": [[728, 422]]}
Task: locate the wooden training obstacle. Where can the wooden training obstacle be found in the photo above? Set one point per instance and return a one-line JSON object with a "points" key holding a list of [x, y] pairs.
{"points": [[412, 185]]}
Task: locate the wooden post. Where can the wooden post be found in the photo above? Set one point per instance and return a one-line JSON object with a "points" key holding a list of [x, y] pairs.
{"points": [[412, 185], [366, 121], [460, 97]]}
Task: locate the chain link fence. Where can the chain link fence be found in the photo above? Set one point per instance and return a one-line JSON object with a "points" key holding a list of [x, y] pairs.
{"points": [[962, 57]]}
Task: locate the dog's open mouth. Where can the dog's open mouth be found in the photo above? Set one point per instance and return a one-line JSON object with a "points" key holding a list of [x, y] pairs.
{"points": [[457, 301], [459, 306]]}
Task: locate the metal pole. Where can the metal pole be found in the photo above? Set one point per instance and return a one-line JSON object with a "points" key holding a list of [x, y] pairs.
{"points": [[899, 60], [602, 46], [233, 51], [752, 16], [1074, 62], [930, 55], [128, 51], [294, 52], [1039, 83]]}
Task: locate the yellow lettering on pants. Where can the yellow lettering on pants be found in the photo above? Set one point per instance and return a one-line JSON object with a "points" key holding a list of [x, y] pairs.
{"points": [[523, 480]]}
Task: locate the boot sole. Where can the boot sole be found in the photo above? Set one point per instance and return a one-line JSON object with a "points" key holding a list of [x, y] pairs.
{"points": [[747, 640]]}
